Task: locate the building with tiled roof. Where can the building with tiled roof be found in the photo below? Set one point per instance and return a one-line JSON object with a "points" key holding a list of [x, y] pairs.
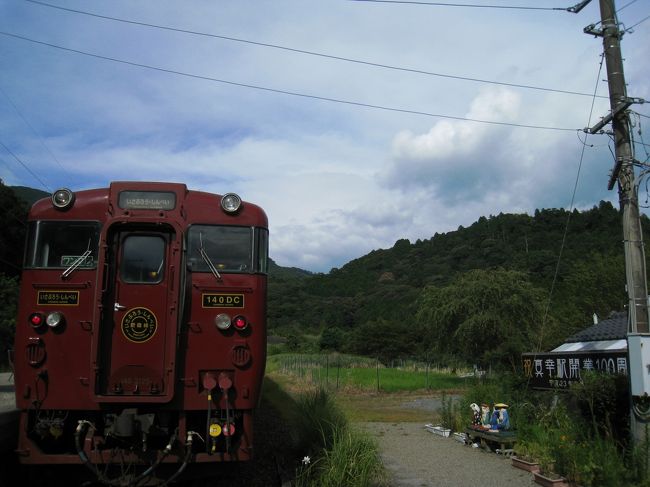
{"points": [[608, 334]]}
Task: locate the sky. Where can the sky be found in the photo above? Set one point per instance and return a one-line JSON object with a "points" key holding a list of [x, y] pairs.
{"points": [[354, 124]]}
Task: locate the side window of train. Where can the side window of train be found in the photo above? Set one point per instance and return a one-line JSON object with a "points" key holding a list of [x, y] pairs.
{"points": [[143, 259]]}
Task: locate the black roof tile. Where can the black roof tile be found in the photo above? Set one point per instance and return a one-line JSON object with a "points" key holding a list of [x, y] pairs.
{"points": [[612, 328]]}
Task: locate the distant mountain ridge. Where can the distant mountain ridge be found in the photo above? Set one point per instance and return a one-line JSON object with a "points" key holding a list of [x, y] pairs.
{"points": [[29, 195]]}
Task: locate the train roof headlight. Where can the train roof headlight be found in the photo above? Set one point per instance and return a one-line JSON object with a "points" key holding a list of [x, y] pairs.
{"points": [[55, 319], [231, 203], [222, 321], [62, 199]]}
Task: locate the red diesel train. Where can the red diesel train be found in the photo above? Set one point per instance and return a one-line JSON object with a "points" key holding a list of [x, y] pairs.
{"points": [[141, 330]]}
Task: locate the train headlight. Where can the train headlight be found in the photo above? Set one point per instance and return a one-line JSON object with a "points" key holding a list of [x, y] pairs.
{"points": [[222, 321], [231, 203], [63, 199], [55, 319], [36, 319]]}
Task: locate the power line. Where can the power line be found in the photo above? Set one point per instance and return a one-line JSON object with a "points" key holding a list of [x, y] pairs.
{"points": [[311, 53], [25, 166], [33, 130], [465, 5], [286, 92], [639, 22], [573, 196]]}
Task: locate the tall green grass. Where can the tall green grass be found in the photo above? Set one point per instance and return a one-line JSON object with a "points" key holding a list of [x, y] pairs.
{"points": [[352, 461], [336, 454]]}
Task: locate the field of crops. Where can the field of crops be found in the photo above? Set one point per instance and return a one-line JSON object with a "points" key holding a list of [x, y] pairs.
{"points": [[345, 372]]}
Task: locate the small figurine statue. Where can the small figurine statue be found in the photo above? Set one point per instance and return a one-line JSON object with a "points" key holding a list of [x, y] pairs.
{"points": [[500, 419], [485, 416], [476, 417]]}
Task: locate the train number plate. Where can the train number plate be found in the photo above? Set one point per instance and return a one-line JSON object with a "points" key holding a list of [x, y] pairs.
{"points": [[223, 300], [58, 298]]}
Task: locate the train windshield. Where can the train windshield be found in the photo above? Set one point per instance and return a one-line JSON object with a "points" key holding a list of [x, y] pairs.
{"points": [[61, 244], [227, 248]]}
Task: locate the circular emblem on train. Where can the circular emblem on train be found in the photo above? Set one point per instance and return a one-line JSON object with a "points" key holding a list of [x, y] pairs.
{"points": [[139, 325]]}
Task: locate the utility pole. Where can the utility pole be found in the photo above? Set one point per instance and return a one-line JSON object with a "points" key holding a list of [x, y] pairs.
{"points": [[623, 172]]}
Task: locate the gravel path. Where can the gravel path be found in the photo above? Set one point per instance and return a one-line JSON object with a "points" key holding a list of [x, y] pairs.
{"points": [[417, 458]]}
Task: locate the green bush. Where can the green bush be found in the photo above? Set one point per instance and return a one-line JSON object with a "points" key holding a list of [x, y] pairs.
{"points": [[580, 434]]}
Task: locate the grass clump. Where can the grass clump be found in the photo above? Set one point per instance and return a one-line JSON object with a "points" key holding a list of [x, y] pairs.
{"points": [[352, 460], [318, 421], [335, 453]]}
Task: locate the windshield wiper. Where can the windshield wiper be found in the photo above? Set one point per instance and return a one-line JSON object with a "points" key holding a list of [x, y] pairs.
{"points": [[206, 258], [78, 261]]}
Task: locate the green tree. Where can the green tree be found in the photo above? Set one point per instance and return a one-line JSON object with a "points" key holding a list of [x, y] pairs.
{"points": [[9, 299], [332, 338], [13, 214], [385, 340], [483, 316]]}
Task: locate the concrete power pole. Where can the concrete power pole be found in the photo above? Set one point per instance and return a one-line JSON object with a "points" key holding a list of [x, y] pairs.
{"points": [[624, 173]]}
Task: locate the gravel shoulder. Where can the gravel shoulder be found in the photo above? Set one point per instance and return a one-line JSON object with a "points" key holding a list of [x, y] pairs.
{"points": [[417, 458]]}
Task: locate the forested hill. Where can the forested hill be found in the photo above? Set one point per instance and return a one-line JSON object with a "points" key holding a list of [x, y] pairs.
{"points": [[383, 291], [29, 195]]}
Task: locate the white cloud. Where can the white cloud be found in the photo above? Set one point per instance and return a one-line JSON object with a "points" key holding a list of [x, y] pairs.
{"points": [[336, 180]]}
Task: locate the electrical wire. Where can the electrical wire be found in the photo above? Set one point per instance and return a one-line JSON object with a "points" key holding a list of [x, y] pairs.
{"points": [[26, 167], [312, 53], [40, 138], [289, 93], [629, 29], [466, 5], [566, 227], [617, 11]]}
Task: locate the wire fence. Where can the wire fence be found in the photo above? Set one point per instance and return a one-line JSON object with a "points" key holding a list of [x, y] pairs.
{"points": [[335, 371]]}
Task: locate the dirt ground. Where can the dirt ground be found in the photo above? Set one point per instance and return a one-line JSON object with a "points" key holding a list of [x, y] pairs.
{"points": [[417, 458]]}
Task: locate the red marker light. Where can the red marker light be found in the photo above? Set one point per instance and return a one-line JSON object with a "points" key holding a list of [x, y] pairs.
{"points": [[36, 319], [240, 322]]}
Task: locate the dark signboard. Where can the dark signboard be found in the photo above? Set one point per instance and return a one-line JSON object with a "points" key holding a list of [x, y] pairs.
{"points": [[557, 370]]}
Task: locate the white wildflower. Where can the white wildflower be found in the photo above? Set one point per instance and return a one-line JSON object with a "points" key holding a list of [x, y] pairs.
{"points": [[306, 460]]}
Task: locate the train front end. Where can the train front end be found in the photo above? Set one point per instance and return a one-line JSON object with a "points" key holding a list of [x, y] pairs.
{"points": [[141, 329]]}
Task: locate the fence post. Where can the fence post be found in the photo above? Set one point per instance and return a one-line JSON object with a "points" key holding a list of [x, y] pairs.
{"points": [[327, 371], [377, 374], [338, 372]]}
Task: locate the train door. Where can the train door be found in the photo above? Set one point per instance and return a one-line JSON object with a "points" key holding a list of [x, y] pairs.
{"points": [[139, 330]]}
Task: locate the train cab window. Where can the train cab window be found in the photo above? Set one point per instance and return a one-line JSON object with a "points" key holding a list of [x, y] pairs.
{"points": [[228, 248], [60, 244], [143, 258]]}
